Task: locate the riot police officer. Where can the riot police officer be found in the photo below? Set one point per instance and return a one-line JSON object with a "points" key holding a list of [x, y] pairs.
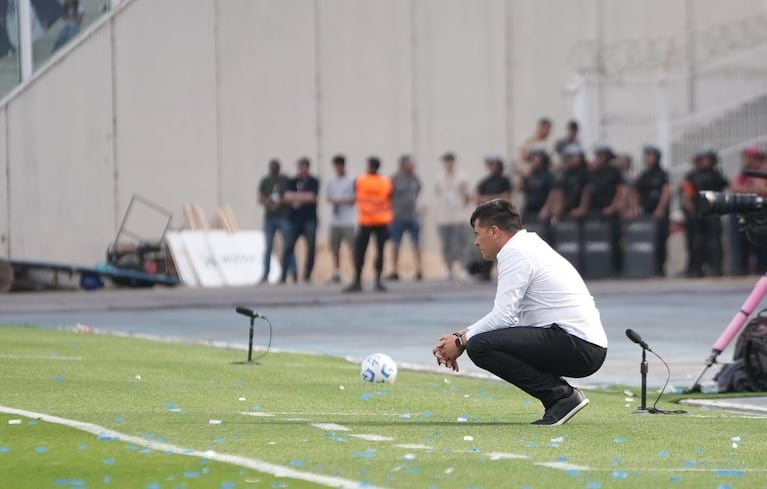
{"points": [[650, 196], [571, 184], [704, 233], [537, 187]]}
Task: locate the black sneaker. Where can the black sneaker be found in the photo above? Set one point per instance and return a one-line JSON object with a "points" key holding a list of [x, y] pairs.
{"points": [[393, 277], [336, 278], [561, 412], [418, 276], [380, 287], [355, 287]]}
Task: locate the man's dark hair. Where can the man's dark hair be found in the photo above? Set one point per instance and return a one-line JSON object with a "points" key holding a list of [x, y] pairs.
{"points": [[374, 163], [449, 156], [304, 162], [339, 160], [572, 124], [497, 212], [544, 121]]}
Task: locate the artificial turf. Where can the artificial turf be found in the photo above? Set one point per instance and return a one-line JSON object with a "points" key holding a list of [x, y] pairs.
{"points": [[453, 431]]}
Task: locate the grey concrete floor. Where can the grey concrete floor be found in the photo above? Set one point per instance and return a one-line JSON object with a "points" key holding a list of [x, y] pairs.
{"points": [[680, 319]]}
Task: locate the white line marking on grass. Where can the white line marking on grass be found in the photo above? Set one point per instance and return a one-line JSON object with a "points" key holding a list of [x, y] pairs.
{"points": [[414, 446], [249, 463], [563, 466], [373, 437], [257, 414], [331, 427], [7, 356], [506, 456]]}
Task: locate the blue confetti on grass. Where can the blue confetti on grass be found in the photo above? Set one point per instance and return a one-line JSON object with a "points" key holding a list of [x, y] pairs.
{"points": [[61, 483], [297, 463], [41, 450], [382, 393], [191, 474], [414, 470], [220, 440], [205, 470], [145, 451], [723, 486], [227, 485], [105, 437], [690, 463], [532, 444], [107, 479], [675, 478], [426, 414], [620, 475], [526, 402], [4, 449], [404, 415], [131, 448], [148, 436], [594, 485], [255, 407], [32, 422], [279, 485], [729, 473], [367, 454], [109, 461], [620, 440], [58, 378], [562, 458], [153, 485], [366, 396], [664, 453], [573, 473], [119, 419], [83, 447]]}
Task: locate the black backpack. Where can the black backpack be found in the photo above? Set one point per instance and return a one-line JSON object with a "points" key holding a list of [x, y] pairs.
{"points": [[748, 372]]}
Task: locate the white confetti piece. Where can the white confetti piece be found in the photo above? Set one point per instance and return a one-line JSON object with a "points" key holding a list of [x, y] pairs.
{"points": [[242, 399], [137, 377], [14, 421], [461, 419], [409, 456], [214, 421], [340, 387], [449, 470], [468, 438], [558, 439], [735, 438], [734, 445]]}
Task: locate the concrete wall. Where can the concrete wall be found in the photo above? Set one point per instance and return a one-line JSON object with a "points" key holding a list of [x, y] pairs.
{"points": [[186, 100]]}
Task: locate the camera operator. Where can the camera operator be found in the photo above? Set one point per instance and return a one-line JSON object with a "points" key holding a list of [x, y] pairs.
{"points": [[742, 249], [704, 233]]}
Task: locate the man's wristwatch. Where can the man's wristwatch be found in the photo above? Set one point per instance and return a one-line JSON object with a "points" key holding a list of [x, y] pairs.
{"points": [[459, 341]]}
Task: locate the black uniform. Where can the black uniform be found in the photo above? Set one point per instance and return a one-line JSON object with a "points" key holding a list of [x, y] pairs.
{"points": [[538, 186], [704, 233], [572, 183], [603, 186], [490, 185], [649, 187]]}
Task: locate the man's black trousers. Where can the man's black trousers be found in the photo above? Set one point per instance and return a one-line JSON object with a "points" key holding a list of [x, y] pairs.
{"points": [[362, 239], [536, 359]]}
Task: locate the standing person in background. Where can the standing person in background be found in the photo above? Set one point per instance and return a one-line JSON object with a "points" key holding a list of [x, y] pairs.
{"points": [[452, 192], [374, 212], [406, 188], [539, 140], [571, 184], [301, 195], [71, 20], [270, 195], [341, 197], [650, 195], [604, 198], [495, 185], [537, 188], [570, 137], [742, 249], [705, 232]]}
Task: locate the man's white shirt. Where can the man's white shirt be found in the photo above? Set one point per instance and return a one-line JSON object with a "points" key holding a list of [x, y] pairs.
{"points": [[538, 287]]}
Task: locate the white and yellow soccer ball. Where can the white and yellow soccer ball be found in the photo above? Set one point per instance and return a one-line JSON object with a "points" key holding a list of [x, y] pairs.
{"points": [[379, 368]]}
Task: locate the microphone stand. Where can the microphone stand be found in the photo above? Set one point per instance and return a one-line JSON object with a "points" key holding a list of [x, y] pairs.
{"points": [[643, 369]]}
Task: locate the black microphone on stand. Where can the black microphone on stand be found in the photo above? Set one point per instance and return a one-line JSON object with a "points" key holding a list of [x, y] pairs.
{"points": [[634, 336], [643, 369]]}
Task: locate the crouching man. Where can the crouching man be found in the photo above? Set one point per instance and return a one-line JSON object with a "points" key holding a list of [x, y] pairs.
{"points": [[544, 324]]}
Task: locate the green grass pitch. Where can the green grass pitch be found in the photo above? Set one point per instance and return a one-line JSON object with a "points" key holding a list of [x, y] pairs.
{"points": [[313, 416]]}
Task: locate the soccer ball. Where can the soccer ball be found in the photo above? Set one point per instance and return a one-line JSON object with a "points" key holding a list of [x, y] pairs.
{"points": [[379, 368]]}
